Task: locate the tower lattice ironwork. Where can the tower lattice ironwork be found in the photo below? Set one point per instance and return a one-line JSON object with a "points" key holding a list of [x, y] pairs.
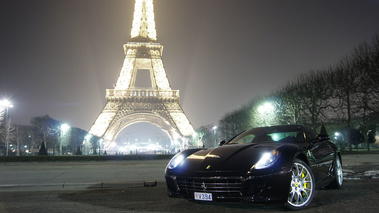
{"points": [[126, 104]]}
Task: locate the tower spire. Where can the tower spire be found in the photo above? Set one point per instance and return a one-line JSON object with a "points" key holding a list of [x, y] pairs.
{"points": [[143, 29]]}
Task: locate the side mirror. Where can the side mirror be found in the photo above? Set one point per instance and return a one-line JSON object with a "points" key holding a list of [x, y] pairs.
{"points": [[321, 137], [222, 143]]}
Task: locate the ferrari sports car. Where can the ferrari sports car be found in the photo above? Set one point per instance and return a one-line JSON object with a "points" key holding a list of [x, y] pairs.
{"points": [[275, 164]]}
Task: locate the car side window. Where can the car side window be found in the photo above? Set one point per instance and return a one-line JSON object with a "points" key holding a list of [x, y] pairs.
{"points": [[245, 139], [289, 137], [311, 134]]}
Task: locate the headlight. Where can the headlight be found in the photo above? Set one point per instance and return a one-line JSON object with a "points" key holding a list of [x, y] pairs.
{"points": [[267, 160], [175, 161]]}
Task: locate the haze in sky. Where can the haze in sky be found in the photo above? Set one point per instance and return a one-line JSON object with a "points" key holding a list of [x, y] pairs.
{"points": [[59, 57]]}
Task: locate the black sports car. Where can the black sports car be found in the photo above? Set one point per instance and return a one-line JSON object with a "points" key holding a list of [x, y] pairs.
{"points": [[282, 164]]}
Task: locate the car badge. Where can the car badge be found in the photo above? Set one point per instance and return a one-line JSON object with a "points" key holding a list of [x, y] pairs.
{"points": [[203, 186], [209, 166]]}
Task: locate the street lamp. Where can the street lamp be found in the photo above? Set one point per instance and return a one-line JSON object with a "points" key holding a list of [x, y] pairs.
{"points": [[6, 104], [214, 132], [339, 139], [86, 143], [64, 129], [100, 143], [265, 109]]}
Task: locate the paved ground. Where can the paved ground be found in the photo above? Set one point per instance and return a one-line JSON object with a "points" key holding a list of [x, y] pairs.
{"points": [[118, 187], [79, 174]]}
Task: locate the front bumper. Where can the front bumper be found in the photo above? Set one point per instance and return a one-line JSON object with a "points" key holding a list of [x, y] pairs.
{"points": [[269, 188]]}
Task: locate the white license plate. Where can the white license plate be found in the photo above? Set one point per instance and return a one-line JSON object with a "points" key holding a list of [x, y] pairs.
{"points": [[203, 196]]}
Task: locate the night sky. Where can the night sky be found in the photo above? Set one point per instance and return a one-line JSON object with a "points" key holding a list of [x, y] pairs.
{"points": [[58, 57]]}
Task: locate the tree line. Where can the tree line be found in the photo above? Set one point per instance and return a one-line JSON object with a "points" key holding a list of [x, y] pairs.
{"points": [[45, 132], [343, 97]]}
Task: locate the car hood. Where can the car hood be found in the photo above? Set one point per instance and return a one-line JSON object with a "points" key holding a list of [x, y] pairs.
{"points": [[233, 158]]}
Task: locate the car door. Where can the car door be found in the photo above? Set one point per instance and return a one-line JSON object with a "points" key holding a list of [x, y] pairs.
{"points": [[322, 155]]}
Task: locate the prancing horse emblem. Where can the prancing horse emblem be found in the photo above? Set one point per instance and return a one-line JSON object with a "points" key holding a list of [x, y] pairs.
{"points": [[203, 186]]}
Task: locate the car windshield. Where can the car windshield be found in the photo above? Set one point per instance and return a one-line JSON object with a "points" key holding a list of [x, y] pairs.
{"points": [[284, 134]]}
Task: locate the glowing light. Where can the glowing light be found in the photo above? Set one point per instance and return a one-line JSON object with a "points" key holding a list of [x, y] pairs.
{"points": [[183, 123], [176, 160], [275, 137], [65, 128], [265, 108], [123, 81], [267, 160], [101, 124], [6, 103], [160, 75], [143, 20]]}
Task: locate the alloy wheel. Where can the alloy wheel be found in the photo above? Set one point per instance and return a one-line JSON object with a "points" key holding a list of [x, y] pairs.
{"points": [[339, 173], [302, 186]]}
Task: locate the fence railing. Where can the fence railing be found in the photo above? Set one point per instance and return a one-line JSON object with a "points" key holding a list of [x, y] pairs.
{"points": [[143, 93]]}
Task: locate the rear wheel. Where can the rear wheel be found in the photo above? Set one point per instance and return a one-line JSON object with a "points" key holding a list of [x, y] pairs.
{"points": [[338, 174], [302, 187]]}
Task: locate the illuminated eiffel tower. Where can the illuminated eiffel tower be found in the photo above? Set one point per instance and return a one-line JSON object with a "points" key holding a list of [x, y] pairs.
{"points": [[126, 104]]}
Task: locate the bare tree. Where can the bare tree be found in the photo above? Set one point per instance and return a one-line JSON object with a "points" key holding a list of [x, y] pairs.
{"points": [[290, 102], [235, 122], [21, 138], [315, 94], [197, 138], [46, 129], [346, 82], [365, 60], [2, 114], [207, 135], [8, 134]]}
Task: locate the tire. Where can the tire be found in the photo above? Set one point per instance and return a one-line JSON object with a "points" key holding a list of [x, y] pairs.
{"points": [[302, 188], [337, 173]]}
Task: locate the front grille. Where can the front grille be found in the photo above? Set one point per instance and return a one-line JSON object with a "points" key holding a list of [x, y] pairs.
{"points": [[221, 187]]}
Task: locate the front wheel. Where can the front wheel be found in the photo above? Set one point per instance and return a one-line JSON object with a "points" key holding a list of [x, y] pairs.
{"points": [[302, 187]]}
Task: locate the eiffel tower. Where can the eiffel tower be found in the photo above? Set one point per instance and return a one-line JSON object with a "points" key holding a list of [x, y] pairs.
{"points": [[126, 104]]}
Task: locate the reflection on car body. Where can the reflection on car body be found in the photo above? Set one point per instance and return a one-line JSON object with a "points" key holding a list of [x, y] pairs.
{"points": [[282, 164]]}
